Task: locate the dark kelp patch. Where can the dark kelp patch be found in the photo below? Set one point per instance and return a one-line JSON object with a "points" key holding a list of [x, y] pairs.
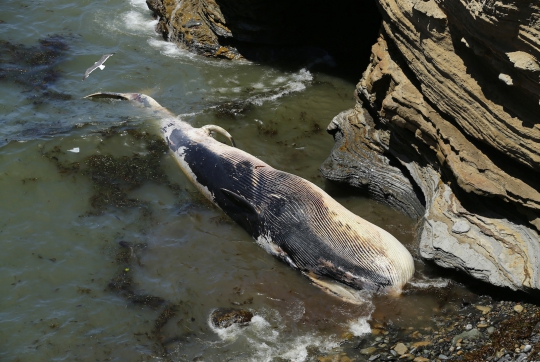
{"points": [[269, 128], [113, 177], [126, 257], [231, 109], [521, 326], [33, 67]]}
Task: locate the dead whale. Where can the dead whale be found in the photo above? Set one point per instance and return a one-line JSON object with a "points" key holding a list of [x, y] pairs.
{"points": [[290, 217]]}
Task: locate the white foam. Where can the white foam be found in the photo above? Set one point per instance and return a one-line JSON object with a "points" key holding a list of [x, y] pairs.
{"points": [[229, 90], [269, 339], [139, 23], [360, 326], [279, 80], [295, 82], [233, 80], [231, 333], [141, 4], [303, 75], [172, 50], [185, 115], [292, 349]]}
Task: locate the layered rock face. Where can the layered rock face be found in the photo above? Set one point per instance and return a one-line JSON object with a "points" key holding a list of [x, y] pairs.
{"points": [[453, 87]]}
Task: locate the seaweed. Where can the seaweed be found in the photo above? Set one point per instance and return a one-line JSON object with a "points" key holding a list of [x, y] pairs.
{"points": [[113, 177], [166, 314], [121, 282], [268, 129], [231, 109], [146, 300], [316, 128], [518, 327], [33, 66]]}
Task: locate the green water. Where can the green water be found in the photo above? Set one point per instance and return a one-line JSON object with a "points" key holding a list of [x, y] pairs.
{"points": [[60, 251]]}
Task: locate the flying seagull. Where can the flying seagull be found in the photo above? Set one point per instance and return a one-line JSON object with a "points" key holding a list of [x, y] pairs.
{"points": [[98, 64]]}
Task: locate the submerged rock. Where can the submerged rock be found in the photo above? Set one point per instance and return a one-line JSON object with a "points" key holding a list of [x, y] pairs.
{"points": [[198, 25], [436, 134], [226, 317]]}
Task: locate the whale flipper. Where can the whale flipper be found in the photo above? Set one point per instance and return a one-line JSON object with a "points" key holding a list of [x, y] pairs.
{"points": [[240, 201]]}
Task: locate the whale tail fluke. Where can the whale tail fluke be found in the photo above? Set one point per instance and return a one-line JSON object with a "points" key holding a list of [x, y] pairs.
{"points": [[138, 98]]}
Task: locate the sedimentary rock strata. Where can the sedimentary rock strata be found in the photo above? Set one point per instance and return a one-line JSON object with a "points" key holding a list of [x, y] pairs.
{"points": [[453, 87]]}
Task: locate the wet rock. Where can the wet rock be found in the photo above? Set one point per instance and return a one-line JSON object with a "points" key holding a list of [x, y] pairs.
{"points": [[197, 25], [358, 142], [420, 344], [460, 227], [483, 309], [225, 317], [518, 308], [401, 349], [467, 335], [368, 350]]}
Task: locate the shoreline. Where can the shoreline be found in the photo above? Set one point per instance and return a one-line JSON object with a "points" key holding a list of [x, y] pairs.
{"points": [[474, 330]]}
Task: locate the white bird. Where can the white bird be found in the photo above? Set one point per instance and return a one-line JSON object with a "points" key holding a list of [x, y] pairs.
{"points": [[98, 64]]}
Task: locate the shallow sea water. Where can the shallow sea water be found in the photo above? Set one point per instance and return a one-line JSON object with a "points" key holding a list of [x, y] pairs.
{"points": [[60, 254]]}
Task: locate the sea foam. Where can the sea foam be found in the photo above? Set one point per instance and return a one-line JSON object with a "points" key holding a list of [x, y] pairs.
{"points": [[269, 338]]}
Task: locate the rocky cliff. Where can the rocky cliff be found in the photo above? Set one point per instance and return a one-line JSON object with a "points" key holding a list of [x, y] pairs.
{"points": [[447, 122], [453, 90]]}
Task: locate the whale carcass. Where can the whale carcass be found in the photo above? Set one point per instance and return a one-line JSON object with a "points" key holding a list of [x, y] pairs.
{"points": [[290, 217]]}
